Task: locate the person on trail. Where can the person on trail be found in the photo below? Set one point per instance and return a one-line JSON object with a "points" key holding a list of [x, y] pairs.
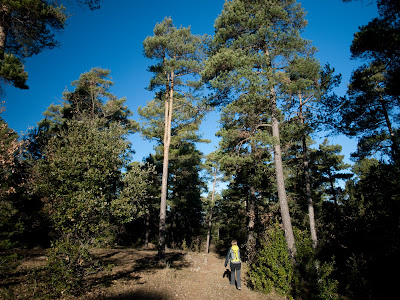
{"points": [[235, 264]]}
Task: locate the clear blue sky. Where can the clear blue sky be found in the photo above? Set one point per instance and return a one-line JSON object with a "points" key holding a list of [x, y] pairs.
{"points": [[112, 38]]}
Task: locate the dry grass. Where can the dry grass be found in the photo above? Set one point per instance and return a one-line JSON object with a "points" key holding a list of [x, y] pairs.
{"points": [[135, 274]]}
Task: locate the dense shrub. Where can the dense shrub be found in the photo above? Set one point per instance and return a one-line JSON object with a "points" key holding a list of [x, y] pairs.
{"points": [[68, 262], [273, 269]]}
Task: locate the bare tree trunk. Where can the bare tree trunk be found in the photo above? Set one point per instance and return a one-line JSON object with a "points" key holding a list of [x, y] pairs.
{"points": [[211, 213], [280, 181], [307, 179], [333, 190], [251, 212], [163, 202], [147, 233], [209, 230], [164, 184], [4, 26], [310, 203]]}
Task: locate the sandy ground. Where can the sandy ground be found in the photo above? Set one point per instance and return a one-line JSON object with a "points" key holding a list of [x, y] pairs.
{"points": [[135, 274]]}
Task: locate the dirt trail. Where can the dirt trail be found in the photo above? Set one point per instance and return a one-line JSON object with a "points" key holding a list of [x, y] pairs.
{"points": [[136, 274], [189, 276]]}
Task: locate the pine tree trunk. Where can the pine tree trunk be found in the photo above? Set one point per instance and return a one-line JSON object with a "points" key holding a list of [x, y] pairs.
{"points": [[4, 26], [163, 202], [209, 231], [307, 179], [310, 203], [147, 233], [164, 184], [280, 181], [333, 190], [211, 213], [251, 212]]}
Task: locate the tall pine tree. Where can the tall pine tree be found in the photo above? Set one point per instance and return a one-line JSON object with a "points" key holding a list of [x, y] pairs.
{"points": [[178, 55], [255, 42]]}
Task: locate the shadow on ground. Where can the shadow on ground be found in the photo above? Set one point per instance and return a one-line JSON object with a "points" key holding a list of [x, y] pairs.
{"points": [[130, 263], [125, 265], [227, 274], [142, 295]]}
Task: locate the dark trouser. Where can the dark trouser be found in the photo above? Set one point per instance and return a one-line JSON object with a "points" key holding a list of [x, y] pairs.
{"points": [[235, 268]]}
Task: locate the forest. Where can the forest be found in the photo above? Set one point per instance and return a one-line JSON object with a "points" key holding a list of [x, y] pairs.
{"points": [[309, 225]]}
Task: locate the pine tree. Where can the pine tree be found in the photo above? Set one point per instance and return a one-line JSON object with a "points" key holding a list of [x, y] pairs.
{"points": [[27, 28], [244, 156], [365, 240], [377, 42], [61, 141], [212, 167], [370, 109], [309, 85], [329, 166], [329, 172], [178, 56], [91, 99], [78, 155], [255, 42]]}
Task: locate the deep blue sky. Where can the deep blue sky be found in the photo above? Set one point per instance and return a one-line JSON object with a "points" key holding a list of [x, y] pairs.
{"points": [[112, 38]]}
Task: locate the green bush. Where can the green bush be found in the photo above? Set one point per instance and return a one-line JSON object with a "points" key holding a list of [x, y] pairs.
{"points": [[197, 244], [312, 278], [8, 262], [68, 262], [327, 287], [184, 246], [273, 269]]}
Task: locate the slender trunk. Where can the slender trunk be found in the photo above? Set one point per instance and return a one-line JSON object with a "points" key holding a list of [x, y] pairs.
{"points": [[280, 181], [93, 102], [164, 184], [147, 232], [209, 230], [333, 190], [211, 213], [163, 202], [4, 27], [310, 203], [336, 208], [251, 211]]}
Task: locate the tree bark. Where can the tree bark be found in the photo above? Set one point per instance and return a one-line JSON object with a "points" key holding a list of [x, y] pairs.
{"points": [[310, 203], [164, 184], [211, 213], [251, 212], [147, 233], [4, 27], [307, 179], [209, 230], [280, 181], [333, 190]]}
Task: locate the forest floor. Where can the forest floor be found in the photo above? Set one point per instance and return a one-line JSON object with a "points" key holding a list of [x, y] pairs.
{"points": [[135, 274]]}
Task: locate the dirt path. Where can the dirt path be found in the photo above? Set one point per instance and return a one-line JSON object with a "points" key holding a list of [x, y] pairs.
{"points": [[136, 274], [189, 276]]}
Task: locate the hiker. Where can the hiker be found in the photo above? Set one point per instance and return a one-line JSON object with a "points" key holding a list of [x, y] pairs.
{"points": [[235, 263]]}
